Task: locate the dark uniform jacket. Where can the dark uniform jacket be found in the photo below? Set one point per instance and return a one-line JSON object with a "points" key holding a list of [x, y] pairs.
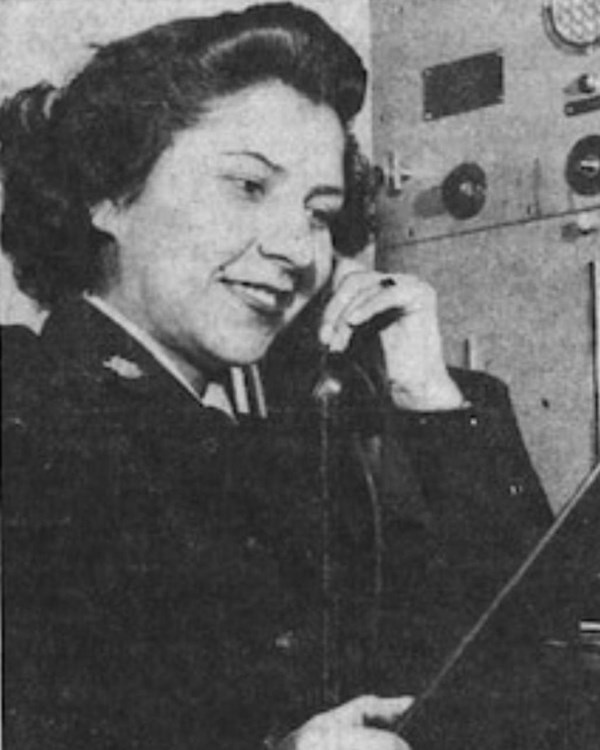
{"points": [[175, 580]]}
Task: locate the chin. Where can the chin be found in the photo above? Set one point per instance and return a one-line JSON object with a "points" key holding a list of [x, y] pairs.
{"points": [[244, 352]]}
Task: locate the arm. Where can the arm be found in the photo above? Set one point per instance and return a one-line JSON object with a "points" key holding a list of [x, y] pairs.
{"points": [[98, 651], [475, 451], [457, 429], [460, 504]]}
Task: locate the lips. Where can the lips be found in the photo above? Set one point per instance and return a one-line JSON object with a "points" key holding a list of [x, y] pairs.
{"points": [[265, 298]]}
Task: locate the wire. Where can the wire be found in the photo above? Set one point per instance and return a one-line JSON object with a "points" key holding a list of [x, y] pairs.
{"points": [[326, 391]]}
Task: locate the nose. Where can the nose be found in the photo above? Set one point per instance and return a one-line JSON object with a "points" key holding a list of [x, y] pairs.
{"points": [[289, 239]]}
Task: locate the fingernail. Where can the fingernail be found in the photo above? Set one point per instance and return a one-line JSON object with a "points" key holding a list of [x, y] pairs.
{"points": [[340, 340], [335, 342], [325, 333]]}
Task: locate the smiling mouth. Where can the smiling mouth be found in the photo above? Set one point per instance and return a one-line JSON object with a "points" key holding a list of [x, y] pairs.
{"points": [[262, 298]]}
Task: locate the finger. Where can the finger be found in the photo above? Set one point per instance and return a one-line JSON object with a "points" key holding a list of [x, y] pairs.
{"points": [[370, 707], [341, 330], [354, 286], [380, 308], [404, 292], [360, 738], [354, 291], [347, 738], [349, 277], [344, 267], [408, 295]]}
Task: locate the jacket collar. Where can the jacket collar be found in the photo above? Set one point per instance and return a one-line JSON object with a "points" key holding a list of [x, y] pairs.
{"points": [[81, 336]]}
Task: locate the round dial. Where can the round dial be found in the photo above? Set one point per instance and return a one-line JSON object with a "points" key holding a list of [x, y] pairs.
{"points": [[573, 24]]}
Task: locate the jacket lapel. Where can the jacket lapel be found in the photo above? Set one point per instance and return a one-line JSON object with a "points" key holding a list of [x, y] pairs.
{"points": [[121, 378]]}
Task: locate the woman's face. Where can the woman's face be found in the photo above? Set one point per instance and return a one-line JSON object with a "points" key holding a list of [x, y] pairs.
{"points": [[230, 238]]}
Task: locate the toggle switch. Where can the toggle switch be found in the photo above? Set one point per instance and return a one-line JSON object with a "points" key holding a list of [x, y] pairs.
{"points": [[393, 174], [589, 83]]}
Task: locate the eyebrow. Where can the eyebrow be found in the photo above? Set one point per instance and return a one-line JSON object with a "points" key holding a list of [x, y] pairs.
{"points": [[316, 192], [259, 157]]}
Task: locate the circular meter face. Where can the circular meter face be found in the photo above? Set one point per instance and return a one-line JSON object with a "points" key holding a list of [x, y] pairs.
{"points": [[573, 24]]}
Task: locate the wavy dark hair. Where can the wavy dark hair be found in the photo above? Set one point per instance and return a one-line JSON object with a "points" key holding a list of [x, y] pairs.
{"points": [[64, 151]]}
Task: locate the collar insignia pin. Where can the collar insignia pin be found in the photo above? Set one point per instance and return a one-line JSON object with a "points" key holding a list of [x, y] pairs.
{"points": [[125, 368]]}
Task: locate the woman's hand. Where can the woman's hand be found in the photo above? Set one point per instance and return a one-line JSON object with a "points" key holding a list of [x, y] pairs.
{"points": [[346, 727], [410, 335]]}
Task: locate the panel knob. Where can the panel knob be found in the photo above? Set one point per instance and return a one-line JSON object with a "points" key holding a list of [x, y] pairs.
{"points": [[582, 171], [464, 190]]}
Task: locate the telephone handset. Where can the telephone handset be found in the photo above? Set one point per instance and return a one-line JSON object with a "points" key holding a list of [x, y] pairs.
{"points": [[361, 367], [297, 364], [349, 392]]}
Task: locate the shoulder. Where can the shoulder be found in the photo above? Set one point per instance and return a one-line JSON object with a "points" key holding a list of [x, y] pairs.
{"points": [[49, 404], [64, 448], [21, 351], [25, 369], [33, 381], [26, 449]]}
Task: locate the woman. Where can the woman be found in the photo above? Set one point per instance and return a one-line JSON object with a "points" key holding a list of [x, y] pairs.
{"points": [[168, 581]]}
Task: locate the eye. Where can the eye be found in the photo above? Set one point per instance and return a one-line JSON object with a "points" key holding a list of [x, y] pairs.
{"points": [[248, 188], [252, 188]]}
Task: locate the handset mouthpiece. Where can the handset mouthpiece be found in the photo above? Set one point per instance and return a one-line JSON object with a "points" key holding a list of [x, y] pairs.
{"points": [[329, 384]]}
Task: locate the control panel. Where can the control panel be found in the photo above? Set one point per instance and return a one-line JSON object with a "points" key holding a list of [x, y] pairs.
{"points": [[505, 134]]}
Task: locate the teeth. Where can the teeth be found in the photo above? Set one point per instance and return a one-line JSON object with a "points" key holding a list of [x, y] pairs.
{"points": [[259, 295], [262, 295]]}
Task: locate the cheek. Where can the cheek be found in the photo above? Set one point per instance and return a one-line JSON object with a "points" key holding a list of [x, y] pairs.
{"points": [[323, 263], [181, 228], [189, 253], [322, 270]]}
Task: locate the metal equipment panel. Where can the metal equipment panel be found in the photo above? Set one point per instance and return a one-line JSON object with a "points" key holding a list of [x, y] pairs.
{"points": [[496, 199]]}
